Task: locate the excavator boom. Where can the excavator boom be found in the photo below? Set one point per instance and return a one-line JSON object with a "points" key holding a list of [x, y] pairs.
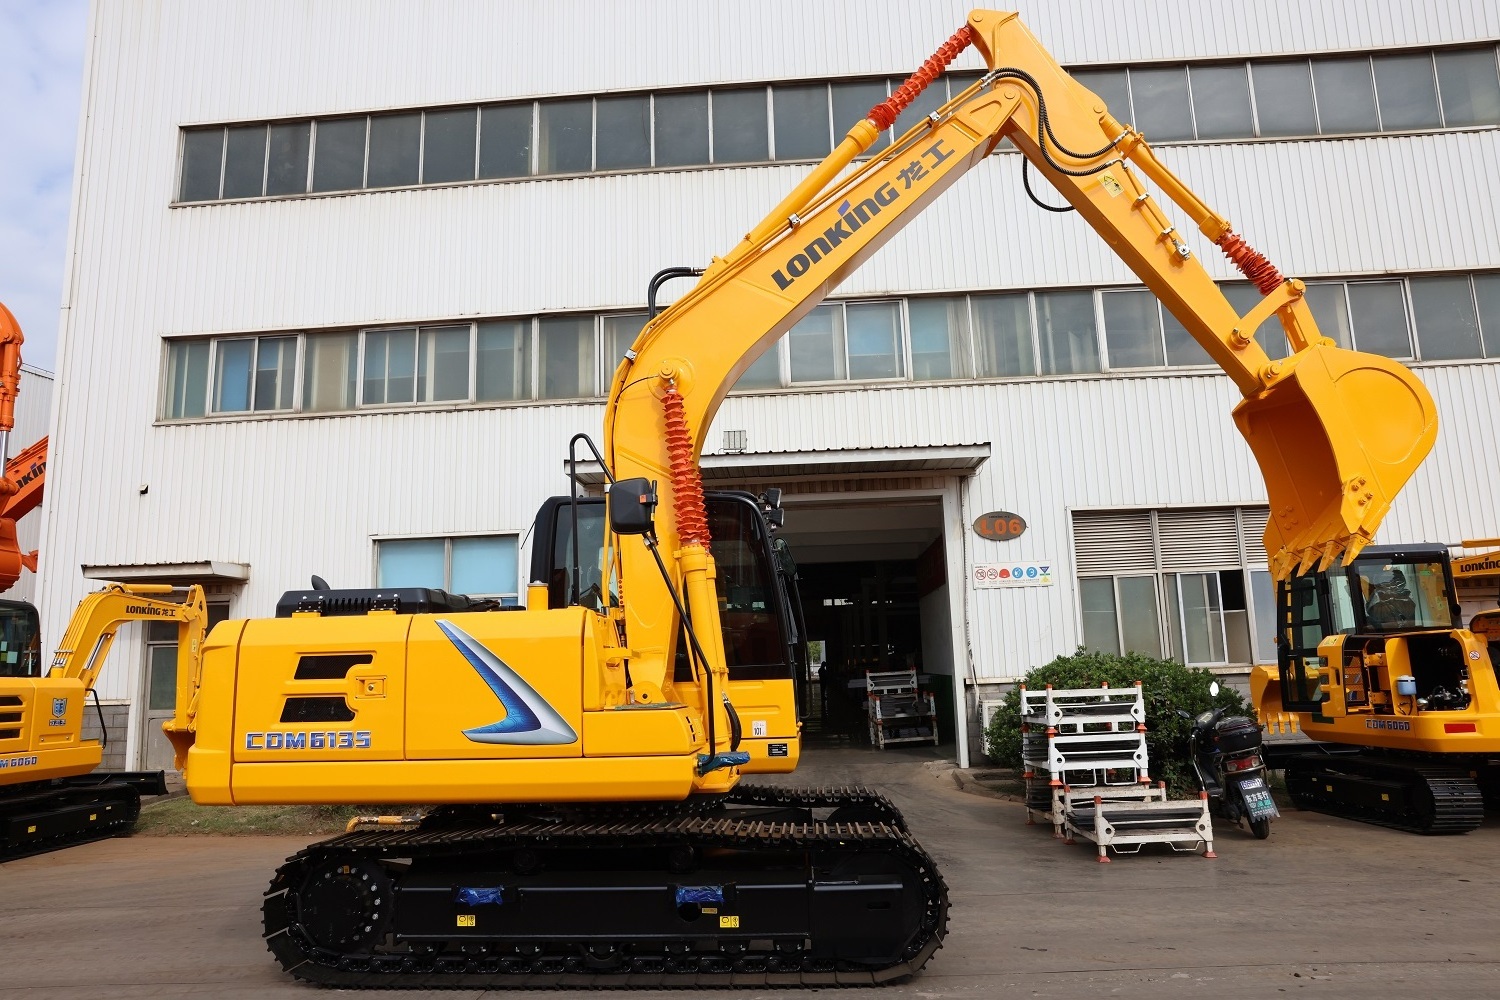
{"points": [[26, 474], [1336, 432]]}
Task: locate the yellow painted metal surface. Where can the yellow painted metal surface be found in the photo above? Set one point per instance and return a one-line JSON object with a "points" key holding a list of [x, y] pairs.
{"points": [[1478, 565], [424, 782], [1360, 706], [412, 709]]}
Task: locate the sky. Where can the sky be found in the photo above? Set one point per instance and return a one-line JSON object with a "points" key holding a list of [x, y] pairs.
{"points": [[41, 74]]}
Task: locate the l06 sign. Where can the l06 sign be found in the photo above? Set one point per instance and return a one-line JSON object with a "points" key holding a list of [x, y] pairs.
{"points": [[999, 525]]}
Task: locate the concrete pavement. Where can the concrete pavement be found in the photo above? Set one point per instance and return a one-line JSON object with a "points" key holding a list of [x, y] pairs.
{"points": [[1325, 907]]}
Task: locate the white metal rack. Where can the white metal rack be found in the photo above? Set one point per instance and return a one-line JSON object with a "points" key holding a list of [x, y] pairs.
{"points": [[1087, 773], [899, 711]]}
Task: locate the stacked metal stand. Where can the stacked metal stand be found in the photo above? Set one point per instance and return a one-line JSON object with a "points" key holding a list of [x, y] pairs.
{"points": [[899, 711], [1086, 773]]}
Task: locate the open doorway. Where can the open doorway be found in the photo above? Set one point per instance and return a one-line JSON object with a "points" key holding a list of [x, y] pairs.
{"points": [[875, 594]]}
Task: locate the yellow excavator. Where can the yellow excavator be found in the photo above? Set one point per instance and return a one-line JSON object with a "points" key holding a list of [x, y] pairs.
{"points": [[1400, 699], [51, 790], [580, 760]]}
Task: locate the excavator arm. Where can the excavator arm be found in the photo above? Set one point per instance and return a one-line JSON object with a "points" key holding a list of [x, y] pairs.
{"points": [[1336, 433], [25, 475], [91, 631]]}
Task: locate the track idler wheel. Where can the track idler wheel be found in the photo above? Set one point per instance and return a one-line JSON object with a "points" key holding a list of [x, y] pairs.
{"points": [[345, 906]]}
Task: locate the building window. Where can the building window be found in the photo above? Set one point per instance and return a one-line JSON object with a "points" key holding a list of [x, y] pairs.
{"points": [[329, 382], [1426, 89], [622, 133], [565, 357], [339, 155], [390, 367], [395, 150], [450, 145], [287, 159], [187, 379], [1002, 335], [249, 373], [816, 345], [1184, 584], [505, 133], [504, 361], [476, 565], [939, 332], [565, 136]]}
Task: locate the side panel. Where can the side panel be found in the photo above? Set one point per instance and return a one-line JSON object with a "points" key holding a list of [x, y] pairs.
{"points": [[487, 686], [311, 688], [41, 724]]}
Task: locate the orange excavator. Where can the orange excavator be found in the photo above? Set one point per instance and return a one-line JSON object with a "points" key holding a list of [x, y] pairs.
{"points": [[26, 473]]}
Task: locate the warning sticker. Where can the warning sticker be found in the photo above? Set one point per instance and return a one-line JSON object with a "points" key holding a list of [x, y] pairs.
{"points": [[1108, 182], [727, 921]]}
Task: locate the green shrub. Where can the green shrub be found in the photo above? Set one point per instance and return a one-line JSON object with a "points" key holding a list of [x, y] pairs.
{"points": [[1166, 686]]}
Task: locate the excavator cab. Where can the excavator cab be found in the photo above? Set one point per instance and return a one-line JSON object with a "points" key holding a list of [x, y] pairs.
{"points": [[764, 639], [1375, 634], [20, 640]]}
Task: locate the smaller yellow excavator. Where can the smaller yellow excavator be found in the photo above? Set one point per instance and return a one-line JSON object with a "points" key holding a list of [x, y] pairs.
{"points": [[1376, 666], [51, 791]]}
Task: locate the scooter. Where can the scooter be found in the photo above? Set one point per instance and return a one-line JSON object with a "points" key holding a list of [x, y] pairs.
{"points": [[1226, 754]]}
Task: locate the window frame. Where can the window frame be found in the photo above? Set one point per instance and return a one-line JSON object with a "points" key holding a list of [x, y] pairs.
{"points": [[941, 91], [507, 598], [1169, 609], [963, 350]]}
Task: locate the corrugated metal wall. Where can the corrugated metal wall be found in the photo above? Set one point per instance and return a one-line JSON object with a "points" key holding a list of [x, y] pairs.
{"points": [[293, 497]]}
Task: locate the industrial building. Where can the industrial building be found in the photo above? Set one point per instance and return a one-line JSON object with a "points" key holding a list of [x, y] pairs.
{"points": [[345, 277]]}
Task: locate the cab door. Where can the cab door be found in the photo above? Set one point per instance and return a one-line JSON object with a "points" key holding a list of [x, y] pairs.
{"points": [[1302, 616]]}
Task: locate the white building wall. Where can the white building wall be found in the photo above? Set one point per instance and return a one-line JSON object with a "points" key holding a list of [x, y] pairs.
{"points": [[295, 496]]}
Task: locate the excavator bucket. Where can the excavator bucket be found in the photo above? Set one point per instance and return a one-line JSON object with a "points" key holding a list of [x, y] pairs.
{"points": [[1337, 436]]}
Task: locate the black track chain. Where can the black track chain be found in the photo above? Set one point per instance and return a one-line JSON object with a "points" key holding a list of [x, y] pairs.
{"points": [[863, 801], [1458, 806], [447, 967], [63, 795]]}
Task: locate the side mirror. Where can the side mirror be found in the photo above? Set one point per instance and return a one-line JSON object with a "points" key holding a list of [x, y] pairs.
{"points": [[632, 507], [1183, 713], [784, 559]]}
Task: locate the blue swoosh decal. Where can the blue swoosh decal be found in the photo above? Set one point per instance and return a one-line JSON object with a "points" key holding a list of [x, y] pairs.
{"points": [[529, 720]]}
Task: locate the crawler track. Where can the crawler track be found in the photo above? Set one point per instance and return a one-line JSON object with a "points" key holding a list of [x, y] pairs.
{"points": [[749, 891], [60, 815], [1410, 795]]}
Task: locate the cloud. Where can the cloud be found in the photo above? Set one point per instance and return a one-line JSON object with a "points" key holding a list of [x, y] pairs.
{"points": [[41, 72]]}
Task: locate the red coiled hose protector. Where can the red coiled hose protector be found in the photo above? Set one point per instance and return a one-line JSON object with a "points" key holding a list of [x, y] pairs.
{"points": [[687, 479], [884, 114], [1251, 262]]}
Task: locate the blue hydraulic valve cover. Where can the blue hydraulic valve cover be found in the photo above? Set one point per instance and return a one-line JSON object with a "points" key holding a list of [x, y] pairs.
{"points": [[700, 894], [480, 897], [733, 758]]}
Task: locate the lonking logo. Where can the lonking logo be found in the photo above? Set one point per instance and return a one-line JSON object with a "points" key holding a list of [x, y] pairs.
{"points": [[851, 218], [529, 720]]}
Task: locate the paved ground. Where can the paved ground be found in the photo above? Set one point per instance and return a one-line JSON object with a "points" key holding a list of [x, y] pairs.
{"points": [[1325, 908]]}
